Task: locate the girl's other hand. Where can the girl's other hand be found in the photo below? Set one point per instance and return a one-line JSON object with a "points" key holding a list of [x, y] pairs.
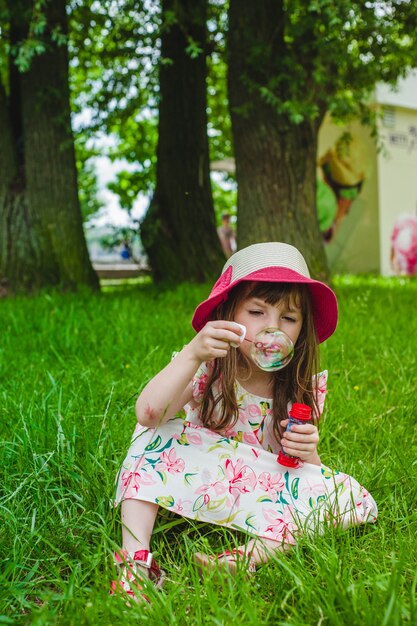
{"points": [[301, 441], [213, 341]]}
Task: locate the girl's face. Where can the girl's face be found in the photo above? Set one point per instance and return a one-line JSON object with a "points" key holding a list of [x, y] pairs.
{"points": [[256, 315]]}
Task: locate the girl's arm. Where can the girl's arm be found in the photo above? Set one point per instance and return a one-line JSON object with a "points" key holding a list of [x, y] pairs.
{"points": [[171, 388]]}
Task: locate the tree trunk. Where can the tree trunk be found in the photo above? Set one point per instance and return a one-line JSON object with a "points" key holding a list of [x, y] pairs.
{"points": [[23, 250], [179, 231], [275, 159], [42, 241]]}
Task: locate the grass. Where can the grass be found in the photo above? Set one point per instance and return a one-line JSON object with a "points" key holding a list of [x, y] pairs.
{"points": [[71, 368]]}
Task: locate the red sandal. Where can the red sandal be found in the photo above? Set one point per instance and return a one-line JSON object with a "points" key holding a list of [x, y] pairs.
{"points": [[132, 575], [228, 560]]}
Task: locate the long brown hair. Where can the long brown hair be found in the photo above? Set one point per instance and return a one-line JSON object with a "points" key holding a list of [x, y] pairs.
{"points": [[293, 383]]}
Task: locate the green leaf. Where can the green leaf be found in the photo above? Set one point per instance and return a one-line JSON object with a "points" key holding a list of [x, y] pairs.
{"points": [[199, 503], [163, 476], [294, 488], [154, 444], [187, 478], [286, 478], [248, 521], [327, 473], [213, 505], [165, 501], [183, 441]]}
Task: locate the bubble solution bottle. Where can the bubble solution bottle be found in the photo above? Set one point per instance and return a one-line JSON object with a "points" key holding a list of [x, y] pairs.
{"points": [[299, 414]]}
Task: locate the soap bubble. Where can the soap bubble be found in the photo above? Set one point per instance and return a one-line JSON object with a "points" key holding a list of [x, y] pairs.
{"points": [[272, 349]]}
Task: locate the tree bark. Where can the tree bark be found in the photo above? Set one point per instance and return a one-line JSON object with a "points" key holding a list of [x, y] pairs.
{"points": [[275, 159], [22, 246], [179, 231], [42, 241]]}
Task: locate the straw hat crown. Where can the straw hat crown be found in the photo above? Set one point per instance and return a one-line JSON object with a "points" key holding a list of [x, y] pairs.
{"points": [[261, 255]]}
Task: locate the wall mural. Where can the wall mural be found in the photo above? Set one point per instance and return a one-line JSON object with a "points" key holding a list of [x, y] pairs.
{"points": [[404, 246], [342, 174]]}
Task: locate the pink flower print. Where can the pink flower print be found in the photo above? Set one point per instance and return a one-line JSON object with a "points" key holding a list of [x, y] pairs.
{"points": [[254, 411], [199, 386], [178, 508], [242, 478], [132, 480], [170, 463], [180, 505], [272, 484], [194, 438], [243, 418], [313, 490], [201, 502], [187, 438], [206, 431], [250, 438], [282, 525], [218, 488]]}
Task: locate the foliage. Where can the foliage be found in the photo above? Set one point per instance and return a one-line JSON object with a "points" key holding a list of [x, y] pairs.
{"points": [[224, 196], [114, 49], [325, 56], [114, 77], [137, 146], [126, 236], [87, 180], [119, 85], [219, 125], [4, 24], [328, 56], [65, 427]]}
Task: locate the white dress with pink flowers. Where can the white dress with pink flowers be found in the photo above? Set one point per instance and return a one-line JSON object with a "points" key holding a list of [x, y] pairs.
{"points": [[234, 479]]}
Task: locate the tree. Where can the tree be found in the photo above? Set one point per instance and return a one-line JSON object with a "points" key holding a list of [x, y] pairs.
{"points": [[289, 63], [41, 241], [113, 76], [178, 232], [115, 45]]}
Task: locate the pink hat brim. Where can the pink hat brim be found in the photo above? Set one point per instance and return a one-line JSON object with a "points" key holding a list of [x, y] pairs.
{"points": [[324, 301]]}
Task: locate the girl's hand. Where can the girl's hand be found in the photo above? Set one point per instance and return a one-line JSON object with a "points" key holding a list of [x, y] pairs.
{"points": [[301, 441], [213, 341]]}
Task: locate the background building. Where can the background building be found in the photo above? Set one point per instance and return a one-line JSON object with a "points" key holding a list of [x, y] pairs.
{"points": [[370, 182]]}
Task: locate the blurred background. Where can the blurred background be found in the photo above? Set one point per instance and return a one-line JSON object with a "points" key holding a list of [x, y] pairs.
{"points": [[157, 137]]}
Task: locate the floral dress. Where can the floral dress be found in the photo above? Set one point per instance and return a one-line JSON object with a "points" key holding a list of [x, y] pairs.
{"points": [[233, 479]]}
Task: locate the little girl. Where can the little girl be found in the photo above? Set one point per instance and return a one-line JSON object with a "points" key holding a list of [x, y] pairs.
{"points": [[218, 463]]}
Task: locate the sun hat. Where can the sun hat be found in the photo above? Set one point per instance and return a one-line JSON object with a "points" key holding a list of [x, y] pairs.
{"points": [[277, 263]]}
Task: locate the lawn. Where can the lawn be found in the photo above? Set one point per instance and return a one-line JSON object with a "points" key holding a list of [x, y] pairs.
{"points": [[71, 368]]}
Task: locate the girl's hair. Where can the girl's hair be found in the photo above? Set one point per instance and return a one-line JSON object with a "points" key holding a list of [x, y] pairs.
{"points": [[293, 383]]}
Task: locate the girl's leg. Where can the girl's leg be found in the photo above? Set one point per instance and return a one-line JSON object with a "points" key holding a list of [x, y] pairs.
{"points": [[255, 552], [261, 550], [138, 519]]}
